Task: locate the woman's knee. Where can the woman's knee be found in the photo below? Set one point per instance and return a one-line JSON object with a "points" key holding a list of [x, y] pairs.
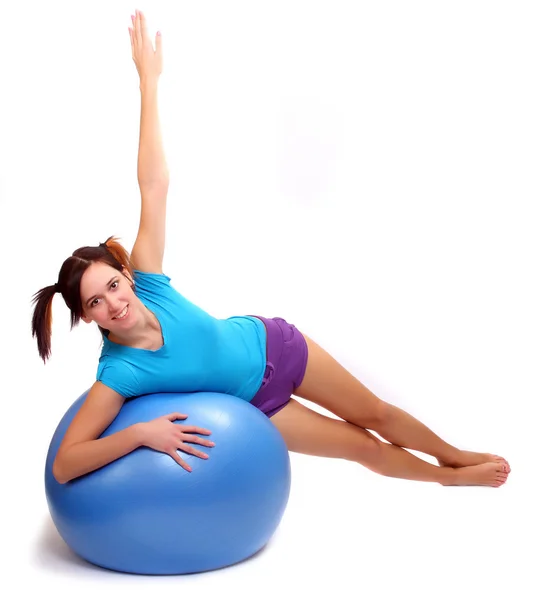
{"points": [[362, 446], [308, 432]]}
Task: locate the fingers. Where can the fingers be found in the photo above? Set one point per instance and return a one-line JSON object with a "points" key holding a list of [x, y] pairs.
{"points": [[137, 25], [142, 21], [175, 416], [194, 429], [135, 33], [190, 450], [193, 451], [130, 31], [194, 439], [180, 460], [158, 42]]}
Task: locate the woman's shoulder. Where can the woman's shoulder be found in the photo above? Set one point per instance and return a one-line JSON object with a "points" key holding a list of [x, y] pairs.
{"points": [[118, 374], [151, 282], [145, 276], [150, 276]]}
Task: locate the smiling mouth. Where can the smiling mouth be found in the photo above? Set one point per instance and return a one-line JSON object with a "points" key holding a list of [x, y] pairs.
{"points": [[122, 314]]}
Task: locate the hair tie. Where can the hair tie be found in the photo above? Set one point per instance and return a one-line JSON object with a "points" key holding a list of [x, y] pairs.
{"points": [[56, 287]]}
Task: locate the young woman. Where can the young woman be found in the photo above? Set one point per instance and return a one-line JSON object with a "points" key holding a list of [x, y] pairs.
{"points": [[155, 340]]}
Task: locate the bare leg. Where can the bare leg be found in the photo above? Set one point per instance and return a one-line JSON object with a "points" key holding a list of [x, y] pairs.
{"points": [[402, 429], [309, 432], [328, 384]]}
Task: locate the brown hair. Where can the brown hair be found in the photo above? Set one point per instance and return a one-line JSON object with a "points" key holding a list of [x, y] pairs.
{"points": [[111, 253]]}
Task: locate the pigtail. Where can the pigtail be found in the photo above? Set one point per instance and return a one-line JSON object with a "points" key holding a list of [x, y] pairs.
{"points": [[42, 320]]}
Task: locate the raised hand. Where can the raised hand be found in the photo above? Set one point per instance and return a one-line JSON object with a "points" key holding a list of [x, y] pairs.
{"points": [[149, 62], [163, 435]]}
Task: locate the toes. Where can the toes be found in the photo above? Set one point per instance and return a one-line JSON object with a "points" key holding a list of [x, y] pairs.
{"points": [[500, 459]]}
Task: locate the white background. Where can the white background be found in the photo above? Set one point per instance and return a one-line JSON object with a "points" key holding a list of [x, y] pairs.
{"points": [[363, 170]]}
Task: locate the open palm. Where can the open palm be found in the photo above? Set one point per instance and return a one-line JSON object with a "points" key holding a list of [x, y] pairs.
{"points": [[149, 62]]}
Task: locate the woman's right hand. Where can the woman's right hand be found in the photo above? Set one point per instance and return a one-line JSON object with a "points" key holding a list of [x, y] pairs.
{"points": [[149, 62], [163, 435]]}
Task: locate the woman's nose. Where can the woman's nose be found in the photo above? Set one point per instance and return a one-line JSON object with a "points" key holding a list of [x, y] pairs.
{"points": [[113, 307]]}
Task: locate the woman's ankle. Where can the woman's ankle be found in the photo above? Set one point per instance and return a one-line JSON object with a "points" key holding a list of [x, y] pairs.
{"points": [[446, 475], [451, 459]]}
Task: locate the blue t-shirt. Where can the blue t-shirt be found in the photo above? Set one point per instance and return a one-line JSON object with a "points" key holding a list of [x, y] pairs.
{"points": [[199, 353]]}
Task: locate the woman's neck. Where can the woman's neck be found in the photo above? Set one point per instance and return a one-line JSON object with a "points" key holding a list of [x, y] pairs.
{"points": [[146, 335]]}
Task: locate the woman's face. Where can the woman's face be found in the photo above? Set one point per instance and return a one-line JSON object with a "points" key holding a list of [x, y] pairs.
{"points": [[105, 294]]}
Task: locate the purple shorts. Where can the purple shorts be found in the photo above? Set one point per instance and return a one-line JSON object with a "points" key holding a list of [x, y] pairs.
{"points": [[287, 356]]}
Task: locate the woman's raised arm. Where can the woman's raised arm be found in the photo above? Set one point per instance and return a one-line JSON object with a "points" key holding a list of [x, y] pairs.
{"points": [[152, 171]]}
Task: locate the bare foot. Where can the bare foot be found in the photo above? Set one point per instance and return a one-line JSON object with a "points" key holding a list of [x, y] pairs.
{"points": [[469, 459], [491, 474]]}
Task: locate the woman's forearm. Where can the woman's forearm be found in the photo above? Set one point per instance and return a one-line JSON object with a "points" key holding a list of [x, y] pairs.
{"points": [[151, 163], [83, 457]]}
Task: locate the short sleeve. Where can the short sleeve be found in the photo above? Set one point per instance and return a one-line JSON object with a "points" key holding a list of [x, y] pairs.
{"points": [[150, 282], [119, 377]]}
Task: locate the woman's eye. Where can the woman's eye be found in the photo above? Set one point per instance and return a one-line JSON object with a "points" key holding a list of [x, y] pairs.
{"points": [[115, 282]]}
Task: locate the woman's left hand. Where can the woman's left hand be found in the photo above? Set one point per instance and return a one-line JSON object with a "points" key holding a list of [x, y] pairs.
{"points": [[149, 63]]}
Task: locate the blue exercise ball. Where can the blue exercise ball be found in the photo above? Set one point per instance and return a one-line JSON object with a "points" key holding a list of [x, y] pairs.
{"points": [[143, 513]]}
